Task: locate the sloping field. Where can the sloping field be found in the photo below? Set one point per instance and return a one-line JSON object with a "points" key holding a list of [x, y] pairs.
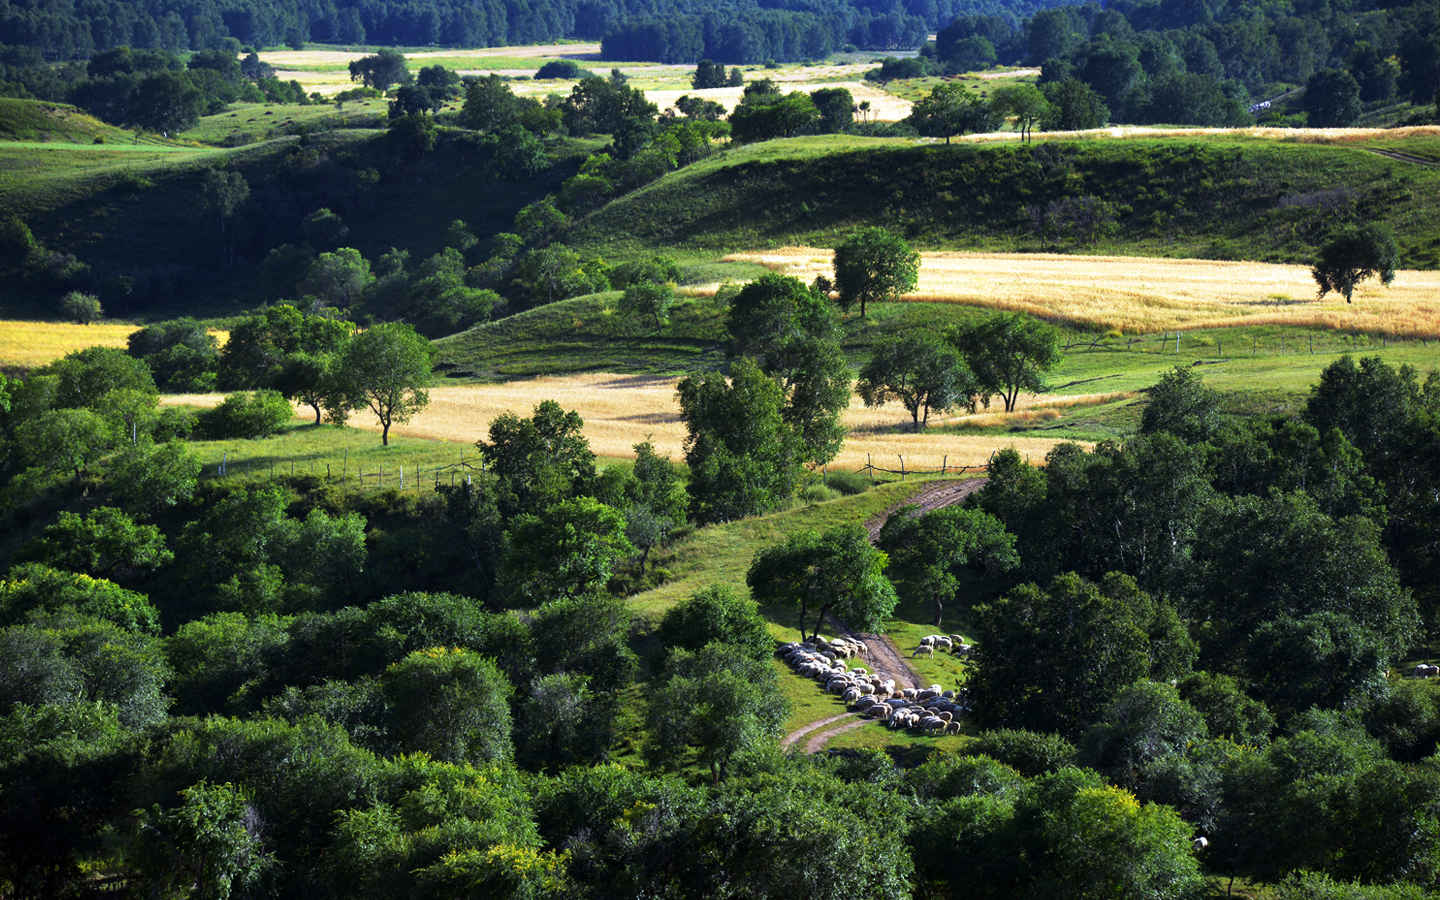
{"points": [[1141, 294], [623, 410]]}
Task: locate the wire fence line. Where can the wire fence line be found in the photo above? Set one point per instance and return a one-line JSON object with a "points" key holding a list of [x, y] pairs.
{"points": [[422, 476], [1216, 344]]}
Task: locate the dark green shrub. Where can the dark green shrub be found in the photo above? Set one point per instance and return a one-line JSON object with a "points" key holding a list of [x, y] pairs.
{"points": [[248, 414]]}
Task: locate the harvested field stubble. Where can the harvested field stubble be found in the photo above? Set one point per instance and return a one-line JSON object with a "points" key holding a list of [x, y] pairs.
{"points": [[623, 410], [1144, 294]]}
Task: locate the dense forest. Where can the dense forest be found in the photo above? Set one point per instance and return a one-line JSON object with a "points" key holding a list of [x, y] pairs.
{"points": [[1146, 60], [745, 31]]}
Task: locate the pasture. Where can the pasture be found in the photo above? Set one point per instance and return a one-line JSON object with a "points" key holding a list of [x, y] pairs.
{"points": [[620, 411], [1137, 295]]}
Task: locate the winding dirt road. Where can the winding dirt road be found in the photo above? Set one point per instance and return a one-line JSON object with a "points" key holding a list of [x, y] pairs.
{"points": [[883, 657]]}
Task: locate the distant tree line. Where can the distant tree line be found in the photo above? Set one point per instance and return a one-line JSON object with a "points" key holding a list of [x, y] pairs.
{"points": [[1187, 64], [676, 30]]}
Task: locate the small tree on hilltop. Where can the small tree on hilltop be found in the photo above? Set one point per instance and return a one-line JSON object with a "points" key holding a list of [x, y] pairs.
{"points": [[386, 368], [647, 300], [874, 265], [80, 307], [1353, 256]]}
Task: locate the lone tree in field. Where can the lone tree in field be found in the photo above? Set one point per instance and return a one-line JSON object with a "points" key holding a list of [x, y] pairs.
{"points": [[922, 374], [381, 70], [951, 109], [1008, 353], [1354, 255], [874, 265], [1026, 103], [80, 307], [386, 368]]}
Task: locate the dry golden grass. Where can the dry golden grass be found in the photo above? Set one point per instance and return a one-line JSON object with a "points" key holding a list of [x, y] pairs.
{"points": [[623, 410], [884, 107], [26, 344], [1143, 294], [282, 58]]}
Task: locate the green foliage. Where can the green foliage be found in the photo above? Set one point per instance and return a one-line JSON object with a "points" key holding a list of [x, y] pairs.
{"points": [[874, 265], [249, 414], [1053, 658], [951, 109], [80, 307], [65, 440], [182, 355], [1332, 98], [567, 550], [338, 278], [105, 543], [930, 553], [1008, 353], [72, 659], [717, 702], [149, 478], [717, 614], [1029, 753], [836, 570], [450, 703], [586, 635], [86, 376], [208, 846], [743, 459], [1023, 101], [924, 375], [560, 68], [538, 461], [35, 591], [1354, 255], [386, 368], [381, 70], [647, 302], [1182, 405]]}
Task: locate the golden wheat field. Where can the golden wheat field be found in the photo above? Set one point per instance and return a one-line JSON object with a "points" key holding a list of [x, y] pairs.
{"points": [[1145, 294], [623, 410], [26, 344]]}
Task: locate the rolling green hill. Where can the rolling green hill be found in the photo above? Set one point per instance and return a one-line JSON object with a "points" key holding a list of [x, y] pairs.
{"points": [[1224, 197]]}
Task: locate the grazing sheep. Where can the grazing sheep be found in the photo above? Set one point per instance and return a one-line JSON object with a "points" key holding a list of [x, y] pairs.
{"points": [[878, 711], [943, 641], [953, 727], [851, 695], [925, 649], [928, 641], [1425, 670], [1200, 843]]}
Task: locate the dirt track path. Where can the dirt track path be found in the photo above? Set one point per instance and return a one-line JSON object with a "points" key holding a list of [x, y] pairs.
{"points": [[818, 742], [803, 730], [1405, 157], [884, 658]]}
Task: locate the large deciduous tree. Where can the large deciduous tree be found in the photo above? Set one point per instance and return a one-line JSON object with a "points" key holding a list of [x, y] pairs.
{"points": [[874, 265], [837, 570], [386, 368], [1008, 353], [951, 109], [930, 553], [743, 458], [1353, 255], [924, 375]]}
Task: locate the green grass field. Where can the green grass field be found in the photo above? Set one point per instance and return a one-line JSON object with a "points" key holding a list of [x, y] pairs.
{"points": [[247, 123]]}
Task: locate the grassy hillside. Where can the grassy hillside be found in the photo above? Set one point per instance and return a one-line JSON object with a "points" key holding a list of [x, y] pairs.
{"points": [[1216, 196], [32, 120]]}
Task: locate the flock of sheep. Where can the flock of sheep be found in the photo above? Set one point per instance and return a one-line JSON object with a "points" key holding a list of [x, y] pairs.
{"points": [[929, 710]]}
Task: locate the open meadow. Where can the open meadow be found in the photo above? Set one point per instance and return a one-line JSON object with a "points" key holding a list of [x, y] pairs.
{"points": [[620, 411], [1137, 295]]}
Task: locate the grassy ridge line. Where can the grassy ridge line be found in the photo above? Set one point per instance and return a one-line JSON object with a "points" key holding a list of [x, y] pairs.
{"points": [[38, 120], [1216, 196]]}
